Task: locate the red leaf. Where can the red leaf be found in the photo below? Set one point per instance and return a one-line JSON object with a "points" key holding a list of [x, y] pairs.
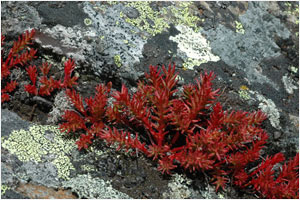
{"points": [[45, 68], [69, 68], [84, 140], [74, 122], [31, 89], [76, 99], [220, 182], [11, 86], [32, 72], [165, 165], [4, 97], [22, 42]]}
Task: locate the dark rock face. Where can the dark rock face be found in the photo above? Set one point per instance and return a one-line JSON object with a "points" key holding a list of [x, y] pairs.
{"points": [[67, 14]]}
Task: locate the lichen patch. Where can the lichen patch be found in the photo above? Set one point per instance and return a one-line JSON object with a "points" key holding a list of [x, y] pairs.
{"points": [[40, 142], [193, 46]]}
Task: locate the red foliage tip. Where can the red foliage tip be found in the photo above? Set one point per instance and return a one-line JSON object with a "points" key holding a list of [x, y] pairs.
{"points": [[11, 86], [45, 68], [32, 72], [220, 182], [22, 42], [69, 68]]}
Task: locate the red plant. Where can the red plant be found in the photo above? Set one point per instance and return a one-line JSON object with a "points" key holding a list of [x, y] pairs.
{"points": [[48, 85], [286, 185], [188, 129], [93, 114], [17, 56]]}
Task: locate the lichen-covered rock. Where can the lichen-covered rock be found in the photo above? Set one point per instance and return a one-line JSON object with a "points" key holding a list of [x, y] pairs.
{"points": [[93, 188], [251, 46]]}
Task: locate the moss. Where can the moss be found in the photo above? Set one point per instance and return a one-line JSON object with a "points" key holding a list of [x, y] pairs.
{"points": [[239, 27], [118, 61], [37, 142]]}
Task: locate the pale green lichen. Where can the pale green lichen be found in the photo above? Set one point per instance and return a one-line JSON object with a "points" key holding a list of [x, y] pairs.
{"points": [[63, 165], [154, 22], [178, 188], [3, 189], [289, 84], [293, 13], [182, 15], [294, 69], [87, 21], [190, 63], [147, 16], [37, 142], [193, 47], [88, 167], [239, 27], [268, 106], [243, 92], [112, 2], [117, 60], [93, 188], [179, 78]]}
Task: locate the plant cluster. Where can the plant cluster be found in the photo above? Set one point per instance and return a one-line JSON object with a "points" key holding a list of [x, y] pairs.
{"points": [[47, 85], [185, 128], [19, 56]]}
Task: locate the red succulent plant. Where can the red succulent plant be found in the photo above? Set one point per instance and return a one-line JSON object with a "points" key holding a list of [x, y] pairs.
{"points": [[188, 129]]}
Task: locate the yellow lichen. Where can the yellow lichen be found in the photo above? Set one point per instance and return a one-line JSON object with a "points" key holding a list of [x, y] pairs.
{"points": [[118, 61], [154, 22], [87, 167], [4, 188], [37, 142], [244, 87], [243, 92], [239, 27], [87, 21]]}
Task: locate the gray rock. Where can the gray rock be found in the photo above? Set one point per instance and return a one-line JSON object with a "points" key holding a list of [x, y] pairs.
{"points": [[11, 121]]}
